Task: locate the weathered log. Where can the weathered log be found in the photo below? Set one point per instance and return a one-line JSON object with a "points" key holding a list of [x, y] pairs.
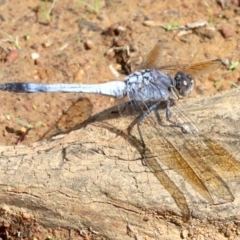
{"points": [[94, 176]]}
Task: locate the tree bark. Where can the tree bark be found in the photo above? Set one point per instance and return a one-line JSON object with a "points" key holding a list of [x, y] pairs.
{"points": [[97, 175]]}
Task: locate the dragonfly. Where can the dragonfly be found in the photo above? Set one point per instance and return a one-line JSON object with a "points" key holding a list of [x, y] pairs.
{"points": [[152, 85]]}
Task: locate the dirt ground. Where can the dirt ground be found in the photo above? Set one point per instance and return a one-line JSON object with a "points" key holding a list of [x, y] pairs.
{"points": [[76, 43]]}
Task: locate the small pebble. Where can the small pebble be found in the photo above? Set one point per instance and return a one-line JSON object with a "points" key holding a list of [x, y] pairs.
{"points": [[47, 43], [196, 24], [38, 63], [150, 23], [114, 71], [121, 29], [26, 215], [79, 76], [110, 53], [2, 118], [12, 56], [184, 233], [225, 61], [184, 32], [34, 56], [88, 44], [227, 31]]}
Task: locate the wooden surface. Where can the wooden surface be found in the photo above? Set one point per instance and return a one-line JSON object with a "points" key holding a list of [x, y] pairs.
{"points": [[94, 177]]}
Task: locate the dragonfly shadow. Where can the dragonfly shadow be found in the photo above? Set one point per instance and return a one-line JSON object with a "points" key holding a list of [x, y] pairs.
{"points": [[77, 113]]}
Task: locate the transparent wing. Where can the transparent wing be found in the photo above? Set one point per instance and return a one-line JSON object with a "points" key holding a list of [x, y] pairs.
{"points": [[191, 155], [203, 155], [194, 70], [153, 58]]}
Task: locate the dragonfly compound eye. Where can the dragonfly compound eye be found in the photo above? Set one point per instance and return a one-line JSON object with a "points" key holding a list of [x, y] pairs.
{"points": [[184, 83]]}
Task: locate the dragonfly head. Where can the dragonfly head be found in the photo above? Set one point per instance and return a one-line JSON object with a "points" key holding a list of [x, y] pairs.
{"points": [[183, 83]]}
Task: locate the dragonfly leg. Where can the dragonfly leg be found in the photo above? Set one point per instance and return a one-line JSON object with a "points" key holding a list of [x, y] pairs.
{"points": [[168, 116], [168, 111], [143, 145], [140, 120]]}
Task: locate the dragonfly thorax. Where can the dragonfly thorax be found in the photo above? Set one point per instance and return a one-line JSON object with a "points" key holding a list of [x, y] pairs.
{"points": [[183, 83]]}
